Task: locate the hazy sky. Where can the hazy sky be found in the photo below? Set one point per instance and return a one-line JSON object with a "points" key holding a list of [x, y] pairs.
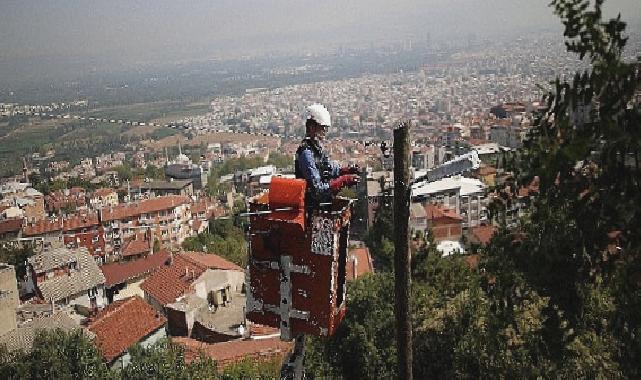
{"points": [[170, 30]]}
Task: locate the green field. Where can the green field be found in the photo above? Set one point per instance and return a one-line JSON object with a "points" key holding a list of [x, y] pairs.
{"points": [[75, 139], [158, 112]]}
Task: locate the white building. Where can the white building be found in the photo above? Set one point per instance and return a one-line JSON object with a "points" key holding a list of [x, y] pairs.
{"points": [[467, 196]]}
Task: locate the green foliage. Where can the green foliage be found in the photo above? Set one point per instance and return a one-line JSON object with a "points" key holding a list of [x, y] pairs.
{"points": [[16, 256], [348, 192], [223, 239], [460, 331], [56, 354], [233, 165], [151, 171], [161, 133], [252, 369], [47, 186], [280, 160], [363, 347], [157, 245], [379, 238], [165, 360], [585, 153], [125, 173], [230, 166], [71, 139], [214, 187]]}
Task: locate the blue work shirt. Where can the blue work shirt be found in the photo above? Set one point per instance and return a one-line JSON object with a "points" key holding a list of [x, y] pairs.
{"points": [[317, 182]]}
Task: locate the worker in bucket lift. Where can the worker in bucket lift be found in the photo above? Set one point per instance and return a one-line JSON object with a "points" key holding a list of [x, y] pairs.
{"points": [[324, 178]]}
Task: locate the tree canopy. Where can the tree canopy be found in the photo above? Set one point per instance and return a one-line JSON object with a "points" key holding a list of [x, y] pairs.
{"points": [[57, 354], [223, 238]]}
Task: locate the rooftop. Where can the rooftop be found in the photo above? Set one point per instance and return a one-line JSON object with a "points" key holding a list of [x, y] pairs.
{"points": [[136, 247], [236, 350], [48, 260], [449, 247], [359, 262], [103, 191], [171, 282], [122, 324], [22, 338], [438, 211], [86, 276], [223, 320], [10, 225], [128, 210], [211, 261], [68, 223], [467, 186], [166, 185], [483, 233], [117, 273]]}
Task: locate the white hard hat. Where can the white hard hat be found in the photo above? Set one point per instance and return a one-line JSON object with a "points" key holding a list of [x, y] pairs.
{"points": [[319, 114]]}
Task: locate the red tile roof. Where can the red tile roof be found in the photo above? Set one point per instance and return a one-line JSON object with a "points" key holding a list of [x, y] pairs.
{"points": [[212, 261], [201, 205], [136, 247], [472, 261], [69, 223], [128, 210], [438, 211], [483, 233], [363, 263], [10, 225], [59, 199], [173, 281], [103, 191], [118, 273], [256, 329], [477, 141], [226, 353], [122, 324]]}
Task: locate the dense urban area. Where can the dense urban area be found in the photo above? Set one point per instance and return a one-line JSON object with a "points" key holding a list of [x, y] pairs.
{"points": [[124, 243]]}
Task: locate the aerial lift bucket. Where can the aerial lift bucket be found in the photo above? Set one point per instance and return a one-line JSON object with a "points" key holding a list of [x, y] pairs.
{"points": [[297, 261]]}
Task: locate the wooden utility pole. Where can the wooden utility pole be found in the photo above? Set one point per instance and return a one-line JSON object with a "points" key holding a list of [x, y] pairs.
{"points": [[402, 274]]}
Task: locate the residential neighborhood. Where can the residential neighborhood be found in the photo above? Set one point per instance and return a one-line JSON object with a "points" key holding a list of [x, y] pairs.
{"points": [[109, 258], [320, 190]]}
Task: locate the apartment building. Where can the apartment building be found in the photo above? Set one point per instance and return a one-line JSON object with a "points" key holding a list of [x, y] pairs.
{"points": [[466, 196], [73, 231], [167, 218]]}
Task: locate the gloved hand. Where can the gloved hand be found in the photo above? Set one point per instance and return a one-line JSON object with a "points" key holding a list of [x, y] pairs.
{"points": [[345, 180], [350, 170]]}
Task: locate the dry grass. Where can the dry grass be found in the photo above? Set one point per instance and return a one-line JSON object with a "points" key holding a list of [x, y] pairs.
{"points": [[140, 131], [204, 139]]}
